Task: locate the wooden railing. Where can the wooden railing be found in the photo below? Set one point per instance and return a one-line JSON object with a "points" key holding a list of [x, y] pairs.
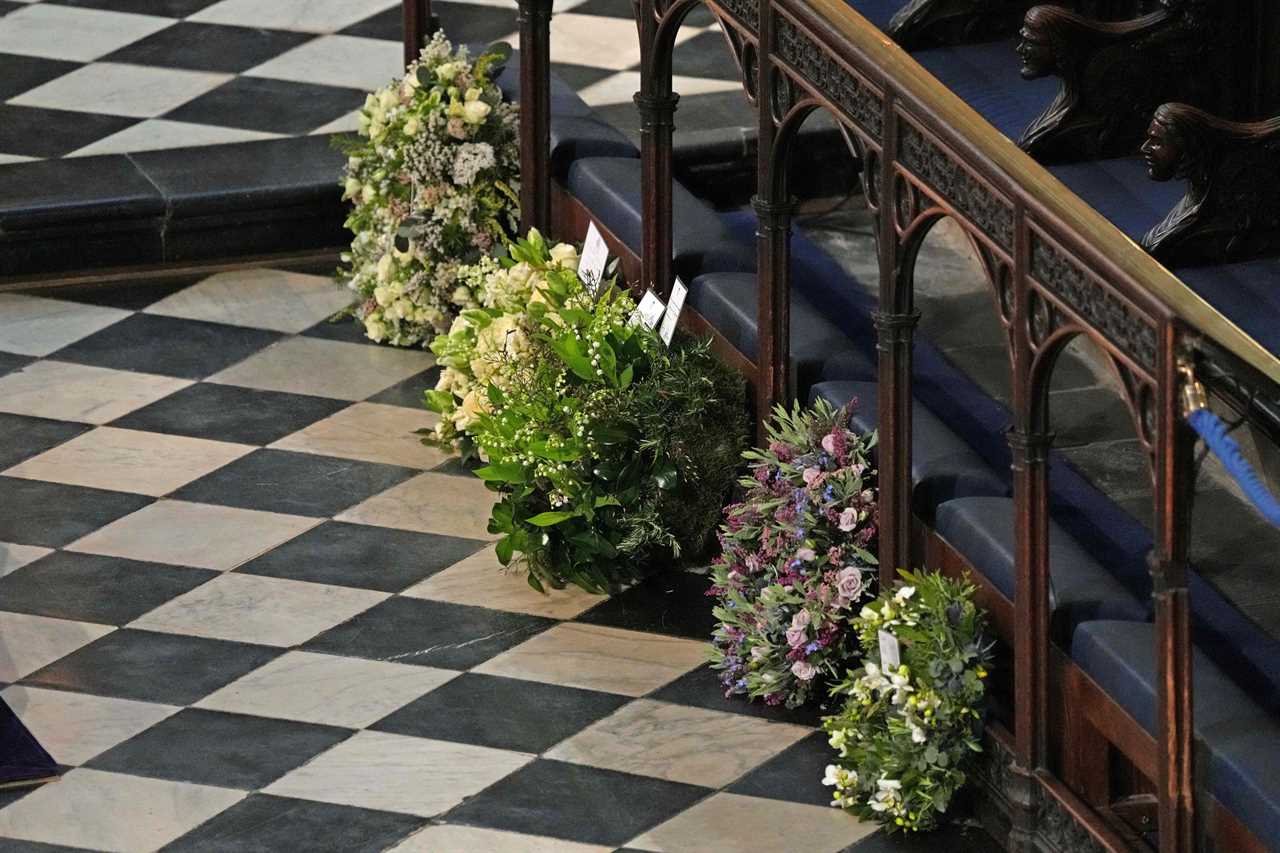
{"points": [[1056, 268]]}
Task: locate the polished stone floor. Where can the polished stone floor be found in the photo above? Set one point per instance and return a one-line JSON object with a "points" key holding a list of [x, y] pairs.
{"points": [[246, 610]]}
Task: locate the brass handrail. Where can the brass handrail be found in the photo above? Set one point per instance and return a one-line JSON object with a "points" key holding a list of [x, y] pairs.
{"points": [[1043, 193]]}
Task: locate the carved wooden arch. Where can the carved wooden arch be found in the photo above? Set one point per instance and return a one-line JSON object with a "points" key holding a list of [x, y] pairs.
{"points": [[1138, 396], [670, 16], [796, 109]]}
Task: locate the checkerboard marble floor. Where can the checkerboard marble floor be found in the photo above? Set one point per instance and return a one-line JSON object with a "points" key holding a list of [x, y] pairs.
{"points": [[246, 610], [85, 77]]}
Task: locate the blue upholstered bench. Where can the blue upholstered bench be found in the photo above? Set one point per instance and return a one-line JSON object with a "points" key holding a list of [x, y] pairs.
{"points": [[1240, 760], [878, 12], [986, 77], [1081, 588]]}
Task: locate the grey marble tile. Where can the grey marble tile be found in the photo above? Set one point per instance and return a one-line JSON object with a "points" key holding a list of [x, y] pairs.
{"points": [[75, 727], [35, 325], [77, 392], [261, 298], [325, 368]]}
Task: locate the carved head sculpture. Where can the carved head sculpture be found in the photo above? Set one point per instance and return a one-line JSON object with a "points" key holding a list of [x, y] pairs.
{"points": [[1166, 145], [1045, 41]]}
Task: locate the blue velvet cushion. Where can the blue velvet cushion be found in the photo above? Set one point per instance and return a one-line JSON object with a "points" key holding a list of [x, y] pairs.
{"points": [[855, 364], [727, 300], [878, 12], [576, 130], [982, 529], [610, 189], [985, 76], [1121, 191], [943, 467], [1247, 293], [1240, 763]]}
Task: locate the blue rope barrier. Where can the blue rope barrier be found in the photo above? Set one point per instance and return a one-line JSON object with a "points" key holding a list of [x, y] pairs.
{"points": [[1214, 432]]}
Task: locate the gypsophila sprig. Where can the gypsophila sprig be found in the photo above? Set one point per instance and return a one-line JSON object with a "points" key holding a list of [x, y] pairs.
{"points": [[433, 179], [907, 735], [797, 558]]}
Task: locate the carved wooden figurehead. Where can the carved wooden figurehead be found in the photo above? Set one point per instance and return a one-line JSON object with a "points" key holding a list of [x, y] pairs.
{"points": [[1231, 210], [1113, 76], [933, 23]]}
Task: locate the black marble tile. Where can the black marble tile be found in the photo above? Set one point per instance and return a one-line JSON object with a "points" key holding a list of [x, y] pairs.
{"points": [[55, 514], [131, 296], [953, 838], [13, 845], [231, 413], [344, 329], [245, 176], [162, 8], [429, 633], [171, 346], [19, 74], [606, 8], [592, 806], [700, 688], [38, 132], [295, 483], [670, 602], [216, 748], [387, 24], [579, 77], [153, 667], [6, 7], [208, 47], [94, 588], [275, 106], [263, 823], [359, 555], [705, 55], [503, 713], [101, 191], [709, 111], [409, 392], [12, 361], [795, 774], [465, 23], [22, 437]]}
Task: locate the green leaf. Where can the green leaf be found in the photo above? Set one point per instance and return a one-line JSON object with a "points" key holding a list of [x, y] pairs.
{"points": [[535, 583], [624, 378], [547, 519], [666, 476], [502, 472], [439, 402], [607, 500], [504, 550]]}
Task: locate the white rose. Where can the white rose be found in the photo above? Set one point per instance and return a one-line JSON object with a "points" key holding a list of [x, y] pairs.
{"points": [[474, 112], [384, 267], [402, 309], [387, 99], [447, 71], [461, 296], [375, 329], [411, 127], [369, 194], [382, 295], [352, 188], [564, 254]]}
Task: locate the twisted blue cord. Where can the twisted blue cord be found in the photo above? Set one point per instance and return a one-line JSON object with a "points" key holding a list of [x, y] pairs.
{"points": [[1214, 432]]}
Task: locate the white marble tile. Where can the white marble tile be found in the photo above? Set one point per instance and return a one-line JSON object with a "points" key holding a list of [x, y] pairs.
{"points": [[349, 61], [75, 727], [430, 503], [34, 325], [395, 773], [252, 609], [126, 460], [18, 158], [621, 87], [260, 298], [112, 811], [116, 89], [308, 16], [596, 41], [594, 657], [481, 580], [471, 839], [325, 368], [754, 825], [327, 689], [28, 643], [348, 123], [370, 432], [78, 392], [192, 534], [678, 743], [14, 556], [65, 32], [158, 133]]}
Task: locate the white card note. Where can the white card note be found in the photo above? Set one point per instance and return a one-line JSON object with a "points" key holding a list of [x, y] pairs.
{"points": [[890, 653], [594, 258], [649, 311], [672, 315]]}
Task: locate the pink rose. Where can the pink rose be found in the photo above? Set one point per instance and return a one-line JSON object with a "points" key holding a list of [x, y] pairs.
{"points": [[806, 554], [804, 670], [796, 637], [848, 519], [849, 583], [811, 476], [801, 619], [829, 443]]}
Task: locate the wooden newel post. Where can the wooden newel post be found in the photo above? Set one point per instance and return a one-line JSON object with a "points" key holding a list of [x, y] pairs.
{"points": [[418, 26], [535, 114]]}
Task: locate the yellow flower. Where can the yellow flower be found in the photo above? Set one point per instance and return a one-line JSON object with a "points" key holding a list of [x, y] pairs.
{"points": [[375, 328], [474, 112]]}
